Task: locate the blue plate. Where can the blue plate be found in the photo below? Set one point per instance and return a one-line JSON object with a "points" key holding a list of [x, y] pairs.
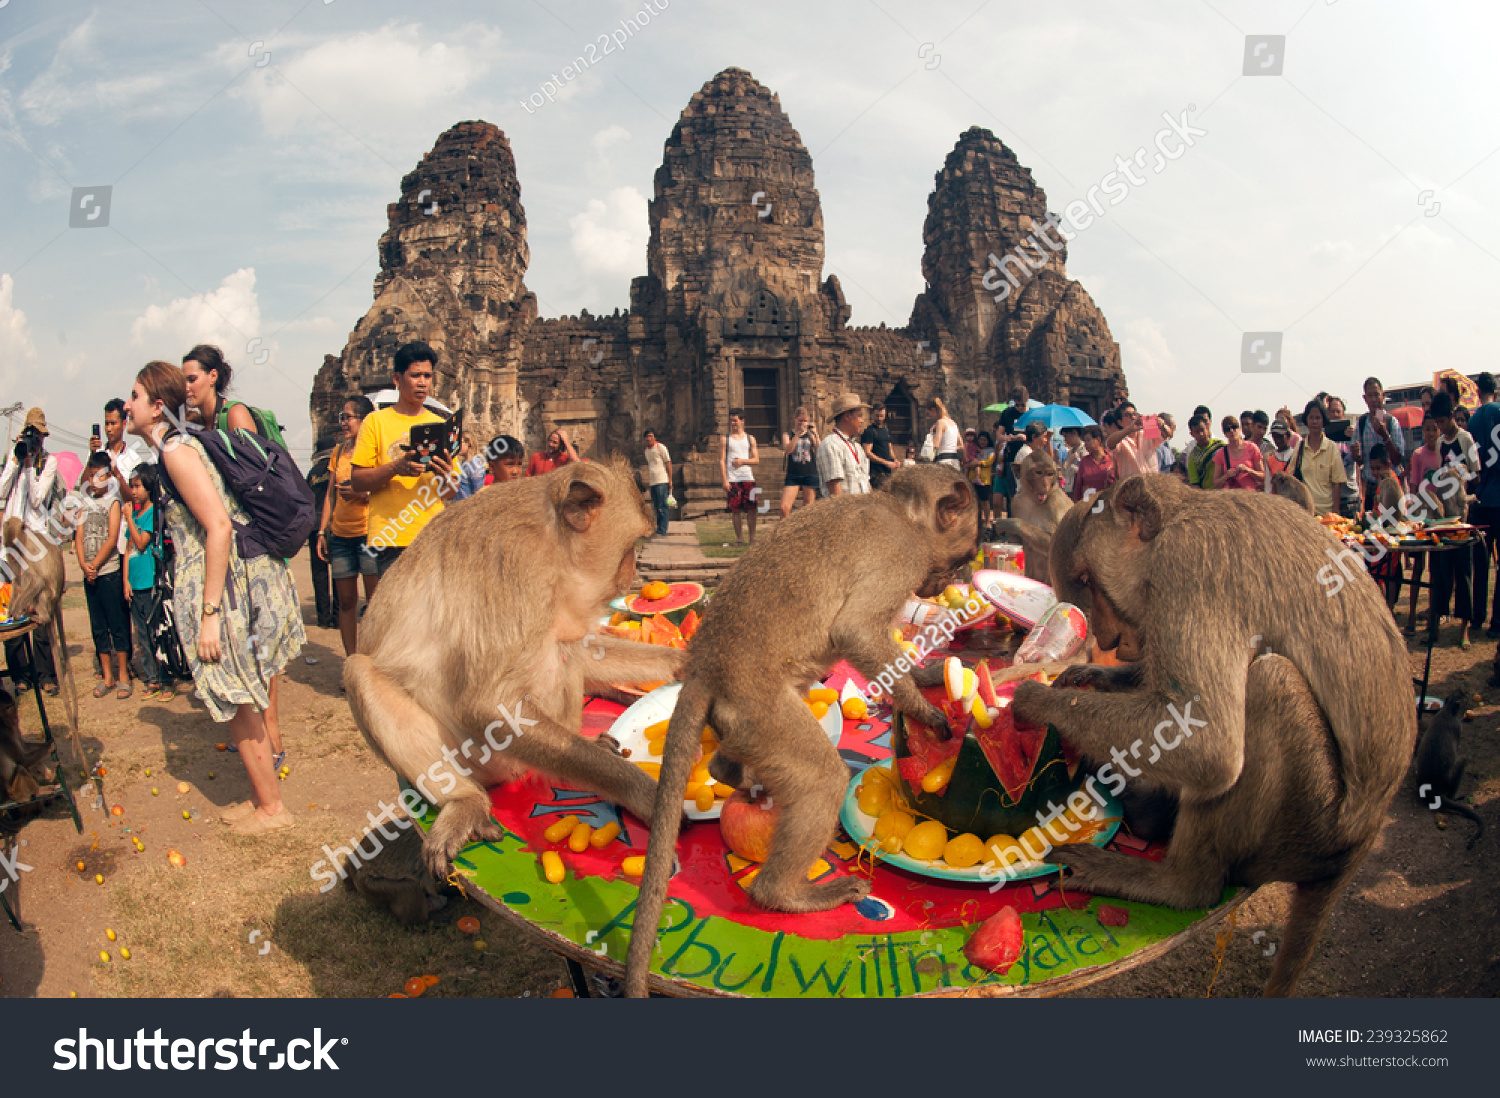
{"points": [[15, 623], [861, 829]]}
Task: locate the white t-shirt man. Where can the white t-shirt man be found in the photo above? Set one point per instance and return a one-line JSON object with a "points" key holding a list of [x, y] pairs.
{"points": [[657, 458], [843, 458]]}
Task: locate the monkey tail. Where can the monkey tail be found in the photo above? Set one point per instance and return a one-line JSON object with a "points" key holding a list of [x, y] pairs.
{"points": [[1463, 810], [1312, 903], [684, 733], [64, 667]]}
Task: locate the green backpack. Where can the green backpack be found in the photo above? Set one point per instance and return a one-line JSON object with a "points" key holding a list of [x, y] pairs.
{"points": [[265, 421]]}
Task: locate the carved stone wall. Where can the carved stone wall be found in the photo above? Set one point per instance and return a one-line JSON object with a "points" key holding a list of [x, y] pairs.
{"points": [[734, 309]]}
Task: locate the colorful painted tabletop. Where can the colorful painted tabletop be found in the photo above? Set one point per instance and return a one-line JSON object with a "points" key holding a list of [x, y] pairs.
{"points": [[905, 939]]}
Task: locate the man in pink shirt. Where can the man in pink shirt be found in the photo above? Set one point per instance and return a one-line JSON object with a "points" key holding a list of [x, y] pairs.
{"points": [[1125, 442]]}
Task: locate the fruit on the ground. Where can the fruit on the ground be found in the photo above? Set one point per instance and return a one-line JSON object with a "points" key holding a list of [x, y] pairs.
{"points": [[480, 945], [749, 825], [184, 788], [431, 981], [110, 934], [415, 987], [468, 925], [124, 954], [926, 841], [563, 993], [116, 810], [998, 942], [176, 859], [963, 851]]}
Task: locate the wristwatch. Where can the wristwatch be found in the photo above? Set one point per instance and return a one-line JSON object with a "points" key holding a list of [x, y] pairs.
{"points": [[210, 609]]}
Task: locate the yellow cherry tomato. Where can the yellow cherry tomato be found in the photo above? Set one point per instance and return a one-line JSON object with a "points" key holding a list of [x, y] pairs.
{"points": [[873, 797], [926, 840], [578, 841], [604, 836], [963, 851], [855, 709], [894, 824], [552, 867], [561, 829]]}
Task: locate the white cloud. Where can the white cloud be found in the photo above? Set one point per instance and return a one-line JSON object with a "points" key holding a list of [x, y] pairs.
{"points": [[228, 317], [1144, 350], [368, 81], [17, 351], [78, 80], [606, 139], [609, 236]]}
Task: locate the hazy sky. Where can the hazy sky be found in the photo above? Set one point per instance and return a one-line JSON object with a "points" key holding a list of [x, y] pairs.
{"points": [[251, 149]]}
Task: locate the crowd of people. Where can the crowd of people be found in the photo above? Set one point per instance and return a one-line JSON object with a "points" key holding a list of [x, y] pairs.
{"points": [[171, 597]]}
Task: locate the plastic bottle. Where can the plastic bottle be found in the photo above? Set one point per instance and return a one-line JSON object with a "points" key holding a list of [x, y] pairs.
{"points": [[1060, 635]]}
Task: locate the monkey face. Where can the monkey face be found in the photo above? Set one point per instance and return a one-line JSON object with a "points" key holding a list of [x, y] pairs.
{"points": [[1039, 476]]}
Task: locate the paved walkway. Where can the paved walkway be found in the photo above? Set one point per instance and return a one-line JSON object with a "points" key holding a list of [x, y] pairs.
{"points": [[677, 557]]}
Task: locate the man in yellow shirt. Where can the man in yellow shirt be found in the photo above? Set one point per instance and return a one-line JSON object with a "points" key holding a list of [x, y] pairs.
{"points": [[404, 493]]}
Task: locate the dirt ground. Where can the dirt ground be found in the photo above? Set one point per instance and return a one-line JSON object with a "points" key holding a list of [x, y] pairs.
{"points": [[1419, 920]]}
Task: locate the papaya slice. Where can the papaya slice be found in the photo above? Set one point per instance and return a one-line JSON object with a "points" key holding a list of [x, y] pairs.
{"points": [[689, 624]]}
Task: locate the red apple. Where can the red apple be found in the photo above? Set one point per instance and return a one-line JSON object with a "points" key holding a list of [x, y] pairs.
{"points": [[748, 825]]}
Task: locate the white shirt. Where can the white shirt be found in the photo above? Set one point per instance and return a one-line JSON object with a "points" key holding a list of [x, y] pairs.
{"points": [[32, 498], [656, 464], [737, 448], [842, 458]]}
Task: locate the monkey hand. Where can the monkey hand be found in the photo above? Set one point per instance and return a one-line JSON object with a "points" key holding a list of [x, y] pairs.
{"points": [[1082, 676], [1033, 702], [933, 718], [1084, 862]]}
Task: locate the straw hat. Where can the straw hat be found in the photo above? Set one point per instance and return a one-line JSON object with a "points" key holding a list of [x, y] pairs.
{"points": [[35, 418], [846, 403]]}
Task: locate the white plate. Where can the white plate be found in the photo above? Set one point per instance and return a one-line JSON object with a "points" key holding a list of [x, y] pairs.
{"points": [[1022, 600], [630, 727], [861, 829]]}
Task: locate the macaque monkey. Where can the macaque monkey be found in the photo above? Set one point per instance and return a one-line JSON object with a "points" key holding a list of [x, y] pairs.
{"points": [[1283, 764], [476, 651], [1439, 769], [827, 586], [1288, 486], [18, 759], [1035, 510], [37, 593], [398, 879]]}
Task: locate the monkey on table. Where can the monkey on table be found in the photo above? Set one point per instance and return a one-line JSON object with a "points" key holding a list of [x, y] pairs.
{"points": [[476, 651], [1283, 765], [827, 586]]}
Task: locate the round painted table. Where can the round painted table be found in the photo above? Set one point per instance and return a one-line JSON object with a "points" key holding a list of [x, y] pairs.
{"points": [[905, 939]]}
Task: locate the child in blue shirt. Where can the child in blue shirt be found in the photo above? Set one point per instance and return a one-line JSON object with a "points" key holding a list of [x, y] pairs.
{"points": [[140, 579]]}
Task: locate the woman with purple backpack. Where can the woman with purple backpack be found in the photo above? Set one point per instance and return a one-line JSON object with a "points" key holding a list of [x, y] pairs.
{"points": [[239, 620]]}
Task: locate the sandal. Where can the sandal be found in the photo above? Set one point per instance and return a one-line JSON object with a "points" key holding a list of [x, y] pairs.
{"points": [[103, 689], [51, 690], [256, 824], [168, 692], [126, 689]]}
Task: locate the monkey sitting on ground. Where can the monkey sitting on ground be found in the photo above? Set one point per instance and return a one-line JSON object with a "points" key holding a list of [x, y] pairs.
{"points": [[1439, 769], [397, 879], [1289, 487], [492, 613], [827, 586], [1283, 764], [21, 778]]}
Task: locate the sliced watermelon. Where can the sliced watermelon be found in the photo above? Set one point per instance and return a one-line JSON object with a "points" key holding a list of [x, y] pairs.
{"points": [[986, 686], [998, 943], [689, 624], [679, 599], [1011, 749]]}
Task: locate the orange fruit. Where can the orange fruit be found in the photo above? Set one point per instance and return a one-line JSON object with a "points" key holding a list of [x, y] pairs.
{"points": [[469, 925], [415, 987]]}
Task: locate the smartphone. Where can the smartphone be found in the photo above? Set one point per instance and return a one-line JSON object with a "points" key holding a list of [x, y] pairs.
{"points": [[97, 432]]}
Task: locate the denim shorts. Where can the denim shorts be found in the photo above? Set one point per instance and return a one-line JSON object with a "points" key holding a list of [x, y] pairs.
{"points": [[347, 558]]}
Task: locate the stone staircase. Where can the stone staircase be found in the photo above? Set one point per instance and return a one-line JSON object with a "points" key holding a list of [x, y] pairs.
{"points": [[702, 492]]}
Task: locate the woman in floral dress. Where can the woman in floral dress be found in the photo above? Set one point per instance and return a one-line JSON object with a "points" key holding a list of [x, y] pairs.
{"points": [[238, 634]]}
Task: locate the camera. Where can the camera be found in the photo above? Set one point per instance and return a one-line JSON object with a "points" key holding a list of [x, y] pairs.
{"points": [[29, 444]]}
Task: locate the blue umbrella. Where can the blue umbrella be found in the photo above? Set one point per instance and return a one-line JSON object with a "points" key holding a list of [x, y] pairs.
{"points": [[1055, 416]]}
